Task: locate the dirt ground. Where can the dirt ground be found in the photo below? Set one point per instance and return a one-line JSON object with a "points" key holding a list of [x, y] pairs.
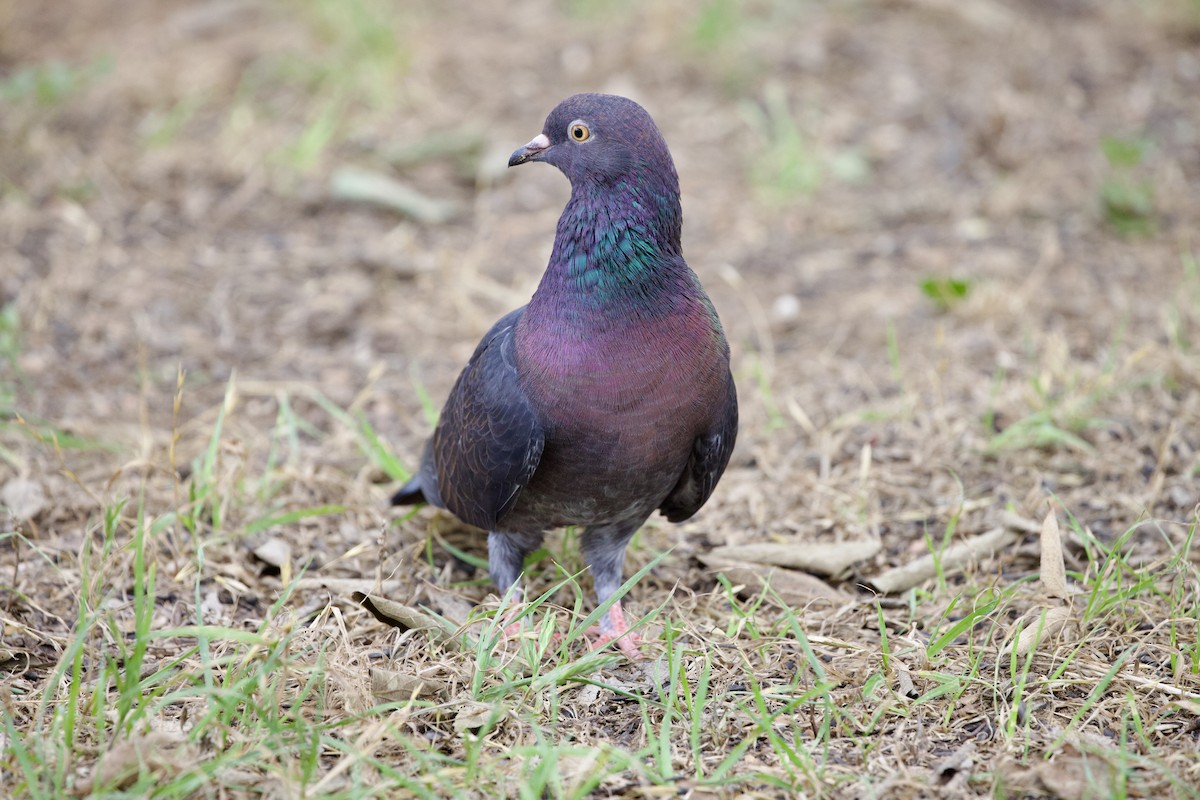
{"points": [[954, 246]]}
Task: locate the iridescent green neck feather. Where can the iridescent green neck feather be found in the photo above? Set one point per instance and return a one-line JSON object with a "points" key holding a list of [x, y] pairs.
{"points": [[618, 244]]}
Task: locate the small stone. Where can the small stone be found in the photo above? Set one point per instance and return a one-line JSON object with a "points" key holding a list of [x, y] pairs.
{"points": [[274, 552], [1182, 498], [786, 309], [23, 497], [973, 229]]}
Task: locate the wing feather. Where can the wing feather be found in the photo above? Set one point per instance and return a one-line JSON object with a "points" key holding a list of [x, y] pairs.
{"points": [[488, 441], [710, 455]]}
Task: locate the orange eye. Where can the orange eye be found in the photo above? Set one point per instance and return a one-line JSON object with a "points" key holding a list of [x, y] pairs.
{"points": [[579, 132]]}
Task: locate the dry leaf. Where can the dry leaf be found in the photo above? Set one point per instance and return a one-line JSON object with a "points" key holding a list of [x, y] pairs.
{"points": [[350, 586], [161, 753], [576, 772], [401, 616], [657, 675], [277, 553], [955, 769], [820, 558], [588, 695], [473, 716], [1054, 571], [904, 682], [1190, 705], [953, 558], [794, 588], [14, 660], [1073, 775], [1042, 626], [274, 551], [392, 686], [212, 610], [1018, 523], [373, 188]]}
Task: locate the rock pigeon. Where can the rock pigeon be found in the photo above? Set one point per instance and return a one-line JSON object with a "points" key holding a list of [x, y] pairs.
{"points": [[609, 395]]}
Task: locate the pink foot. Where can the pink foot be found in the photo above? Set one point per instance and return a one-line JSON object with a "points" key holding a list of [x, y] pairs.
{"points": [[619, 634], [514, 628], [513, 622]]}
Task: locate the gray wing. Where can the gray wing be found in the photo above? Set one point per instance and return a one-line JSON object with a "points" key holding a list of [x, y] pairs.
{"points": [[710, 455], [488, 440]]}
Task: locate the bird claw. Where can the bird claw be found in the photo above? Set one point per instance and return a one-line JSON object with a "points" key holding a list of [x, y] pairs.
{"points": [[515, 629], [617, 633], [627, 642]]}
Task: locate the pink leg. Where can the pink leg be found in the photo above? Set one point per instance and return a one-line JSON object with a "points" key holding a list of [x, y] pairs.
{"points": [[619, 634], [512, 622], [513, 627]]}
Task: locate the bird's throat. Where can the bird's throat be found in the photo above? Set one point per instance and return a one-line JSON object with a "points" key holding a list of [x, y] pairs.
{"points": [[616, 251]]}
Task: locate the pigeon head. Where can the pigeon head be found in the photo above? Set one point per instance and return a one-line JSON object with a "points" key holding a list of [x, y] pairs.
{"points": [[600, 138]]}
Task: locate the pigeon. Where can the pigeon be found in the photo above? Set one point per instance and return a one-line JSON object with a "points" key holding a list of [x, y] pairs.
{"points": [[609, 395]]}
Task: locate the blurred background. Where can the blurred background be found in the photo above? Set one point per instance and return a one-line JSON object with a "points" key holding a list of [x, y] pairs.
{"points": [[953, 243]]}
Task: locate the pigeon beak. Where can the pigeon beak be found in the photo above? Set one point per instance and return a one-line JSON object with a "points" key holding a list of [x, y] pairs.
{"points": [[530, 152]]}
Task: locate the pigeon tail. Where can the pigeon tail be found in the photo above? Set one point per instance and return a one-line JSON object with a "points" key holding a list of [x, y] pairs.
{"points": [[410, 493]]}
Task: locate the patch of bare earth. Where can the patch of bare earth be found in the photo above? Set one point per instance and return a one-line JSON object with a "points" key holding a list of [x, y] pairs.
{"points": [[164, 216]]}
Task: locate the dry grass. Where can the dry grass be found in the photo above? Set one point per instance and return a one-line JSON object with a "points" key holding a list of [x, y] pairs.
{"points": [[954, 247]]}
